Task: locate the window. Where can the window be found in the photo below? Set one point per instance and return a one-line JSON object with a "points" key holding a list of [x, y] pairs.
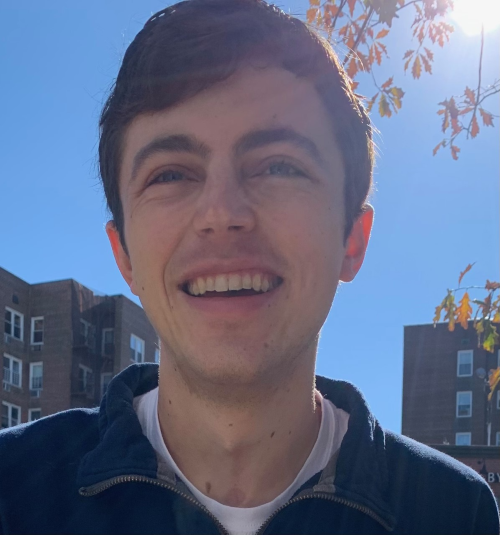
{"points": [[36, 375], [497, 441], [464, 363], [498, 399], [12, 371], [11, 415], [136, 348], [37, 330], [108, 340], [157, 354], [464, 404], [105, 380], [85, 380], [14, 323], [462, 439], [87, 334], [34, 414]]}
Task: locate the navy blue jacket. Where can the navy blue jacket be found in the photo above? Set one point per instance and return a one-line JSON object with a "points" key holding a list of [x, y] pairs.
{"points": [[93, 471]]}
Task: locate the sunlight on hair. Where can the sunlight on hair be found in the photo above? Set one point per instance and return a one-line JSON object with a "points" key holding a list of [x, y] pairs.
{"points": [[470, 15]]}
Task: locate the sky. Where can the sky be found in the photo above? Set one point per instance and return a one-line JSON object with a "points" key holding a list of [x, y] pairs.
{"points": [[58, 60]]}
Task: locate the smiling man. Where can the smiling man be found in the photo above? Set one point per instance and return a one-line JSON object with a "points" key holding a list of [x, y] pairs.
{"points": [[236, 164]]}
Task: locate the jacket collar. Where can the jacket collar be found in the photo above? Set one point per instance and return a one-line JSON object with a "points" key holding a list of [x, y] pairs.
{"points": [[357, 472]]}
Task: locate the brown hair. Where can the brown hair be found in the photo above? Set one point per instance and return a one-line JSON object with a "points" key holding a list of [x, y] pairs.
{"points": [[194, 44]]}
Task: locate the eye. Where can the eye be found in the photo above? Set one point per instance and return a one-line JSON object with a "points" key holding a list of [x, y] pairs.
{"points": [[283, 168], [168, 176]]}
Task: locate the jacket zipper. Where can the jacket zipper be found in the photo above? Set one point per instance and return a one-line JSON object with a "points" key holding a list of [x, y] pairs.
{"points": [[325, 496], [99, 487]]}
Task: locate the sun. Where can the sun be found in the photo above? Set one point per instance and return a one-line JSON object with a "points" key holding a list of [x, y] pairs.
{"points": [[470, 15]]}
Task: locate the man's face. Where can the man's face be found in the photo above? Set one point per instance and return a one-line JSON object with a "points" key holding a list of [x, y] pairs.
{"points": [[240, 186]]}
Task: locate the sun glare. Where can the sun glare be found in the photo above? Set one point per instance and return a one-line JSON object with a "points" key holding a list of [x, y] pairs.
{"points": [[470, 15]]}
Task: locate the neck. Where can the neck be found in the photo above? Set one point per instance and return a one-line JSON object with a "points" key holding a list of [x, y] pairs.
{"points": [[245, 453]]}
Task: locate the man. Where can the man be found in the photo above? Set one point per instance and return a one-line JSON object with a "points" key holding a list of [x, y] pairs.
{"points": [[236, 163]]}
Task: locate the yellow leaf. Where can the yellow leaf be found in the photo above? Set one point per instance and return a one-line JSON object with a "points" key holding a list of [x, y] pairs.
{"points": [[464, 311]]}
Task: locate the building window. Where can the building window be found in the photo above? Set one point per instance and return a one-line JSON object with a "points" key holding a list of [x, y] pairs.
{"points": [[87, 334], [136, 348], [105, 380], [34, 414], [11, 415], [464, 404], [157, 354], [36, 377], [498, 399], [12, 371], [85, 380], [37, 330], [14, 323], [108, 341], [462, 439], [464, 363]]}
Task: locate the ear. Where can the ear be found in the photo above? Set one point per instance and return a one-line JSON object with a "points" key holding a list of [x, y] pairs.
{"points": [[356, 245], [122, 258]]}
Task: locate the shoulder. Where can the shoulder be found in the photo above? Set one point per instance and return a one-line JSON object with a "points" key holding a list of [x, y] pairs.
{"points": [[56, 437]]}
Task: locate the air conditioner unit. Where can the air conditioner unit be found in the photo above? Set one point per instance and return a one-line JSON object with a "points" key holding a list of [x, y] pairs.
{"points": [[6, 386], [35, 393]]}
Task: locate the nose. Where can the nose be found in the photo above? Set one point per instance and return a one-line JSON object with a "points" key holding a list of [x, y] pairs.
{"points": [[223, 205]]}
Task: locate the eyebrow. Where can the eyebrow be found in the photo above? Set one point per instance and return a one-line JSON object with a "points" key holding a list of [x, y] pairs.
{"points": [[261, 138], [250, 141], [172, 143]]}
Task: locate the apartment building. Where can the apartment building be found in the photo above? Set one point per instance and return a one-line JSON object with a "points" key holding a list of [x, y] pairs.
{"points": [[62, 343]]}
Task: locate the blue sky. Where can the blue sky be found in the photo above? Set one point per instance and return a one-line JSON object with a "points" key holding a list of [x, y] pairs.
{"points": [[433, 215]]}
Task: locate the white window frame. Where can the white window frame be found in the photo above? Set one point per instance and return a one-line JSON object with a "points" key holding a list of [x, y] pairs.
{"points": [[103, 375], [30, 414], [21, 322], [461, 353], [497, 436], [103, 338], [88, 341], [137, 339], [157, 355], [468, 434], [458, 396], [9, 381], [37, 318], [32, 365], [11, 406], [87, 371]]}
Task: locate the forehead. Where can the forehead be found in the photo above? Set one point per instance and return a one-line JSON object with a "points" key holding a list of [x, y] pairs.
{"points": [[251, 99]]}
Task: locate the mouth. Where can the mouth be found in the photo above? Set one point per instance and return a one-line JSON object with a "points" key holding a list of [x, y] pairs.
{"points": [[231, 285]]}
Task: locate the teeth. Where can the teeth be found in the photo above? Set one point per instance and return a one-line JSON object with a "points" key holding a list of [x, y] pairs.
{"points": [[221, 283], [256, 282], [247, 282], [232, 282]]}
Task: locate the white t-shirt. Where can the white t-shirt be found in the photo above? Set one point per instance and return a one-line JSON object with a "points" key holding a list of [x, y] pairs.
{"points": [[247, 520]]}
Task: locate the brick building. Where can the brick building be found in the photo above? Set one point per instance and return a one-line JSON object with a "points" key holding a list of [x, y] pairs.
{"points": [[62, 344], [445, 396]]}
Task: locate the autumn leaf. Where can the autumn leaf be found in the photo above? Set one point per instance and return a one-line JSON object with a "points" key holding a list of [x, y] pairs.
{"points": [[450, 308], [464, 311], [383, 107], [493, 381], [352, 4], [487, 117], [397, 94], [378, 54], [429, 54], [439, 308], [314, 2], [470, 95], [492, 285], [474, 131], [466, 270], [417, 68], [382, 33], [455, 126], [352, 69], [354, 85], [490, 337], [408, 54], [454, 151], [311, 15], [427, 65], [437, 147], [371, 102], [387, 83]]}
